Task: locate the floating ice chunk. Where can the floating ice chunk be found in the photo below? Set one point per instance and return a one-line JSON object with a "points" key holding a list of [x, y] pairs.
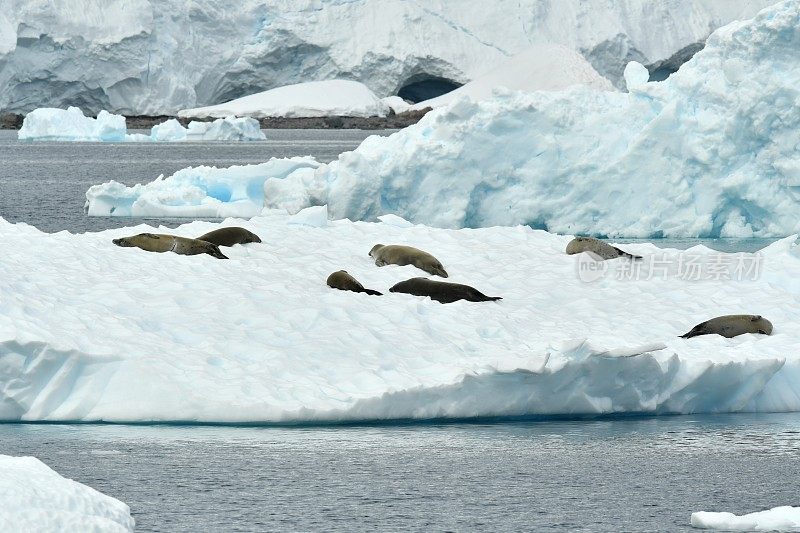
{"points": [[35, 498], [194, 192], [226, 129], [636, 75], [783, 518], [50, 124], [170, 131]]}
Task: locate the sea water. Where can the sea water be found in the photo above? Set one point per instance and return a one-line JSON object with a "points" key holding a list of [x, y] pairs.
{"points": [[618, 474]]}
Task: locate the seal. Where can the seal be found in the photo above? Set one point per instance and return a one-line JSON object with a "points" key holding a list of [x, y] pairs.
{"points": [[395, 254], [598, 247], [731, 326], [159, 242], [229, 236], [343, 281], [442, 291]]}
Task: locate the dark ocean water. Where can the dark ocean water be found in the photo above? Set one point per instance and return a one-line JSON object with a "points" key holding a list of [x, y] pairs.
{"points": [[629, 474], [44, 183]]}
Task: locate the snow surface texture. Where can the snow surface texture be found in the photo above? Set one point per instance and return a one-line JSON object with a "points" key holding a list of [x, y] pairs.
{"points": [[92, 331], [777, 519], [130, 56], [711, 151], [35, 499], [311, 99], [197, 192], [50, 124], [541, 68]]}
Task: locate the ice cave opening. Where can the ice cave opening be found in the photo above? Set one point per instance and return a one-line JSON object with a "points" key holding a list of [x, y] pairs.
{"points": [[422, 87]]}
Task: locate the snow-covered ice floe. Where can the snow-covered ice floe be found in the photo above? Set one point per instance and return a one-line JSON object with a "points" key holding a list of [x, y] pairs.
{"points": [[194, 192], [49, 124], [777, 519], [310, 99], [36, 499], [711, 151], [90, 331]]}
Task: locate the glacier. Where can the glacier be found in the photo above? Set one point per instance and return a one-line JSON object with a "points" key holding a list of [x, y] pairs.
{"points": [[544, 67], [777, 519], [93, 332], [125, 56], [710, 152], [51, 124], [34, 498]]}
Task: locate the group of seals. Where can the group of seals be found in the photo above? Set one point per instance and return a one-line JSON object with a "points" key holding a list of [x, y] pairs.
{"points": [[395, 254], [205, 244], [728, 325]]}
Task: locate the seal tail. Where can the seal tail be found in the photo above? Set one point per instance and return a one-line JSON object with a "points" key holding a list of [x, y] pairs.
{"points": [[373, 293], [692, 333]]}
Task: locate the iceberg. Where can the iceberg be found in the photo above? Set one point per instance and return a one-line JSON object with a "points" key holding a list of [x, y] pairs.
{"points": [[35, 498], [778, 519], [125, 58], [700, 154], [545, 67], [310, 99], [50, 124], [229, 128], [94, 332], [197, 192]]}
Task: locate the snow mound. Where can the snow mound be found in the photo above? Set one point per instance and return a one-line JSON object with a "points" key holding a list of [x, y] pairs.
{"points": [[311, 99], [545, 67], [34, 498], [199, 192], [90, 331], [50, 124], [698, 155], [777, 519], [125, 57]]}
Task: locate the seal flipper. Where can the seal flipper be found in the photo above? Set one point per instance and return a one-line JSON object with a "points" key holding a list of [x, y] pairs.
{"points": [[626, 254], [214, 252], [694, 332]]}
